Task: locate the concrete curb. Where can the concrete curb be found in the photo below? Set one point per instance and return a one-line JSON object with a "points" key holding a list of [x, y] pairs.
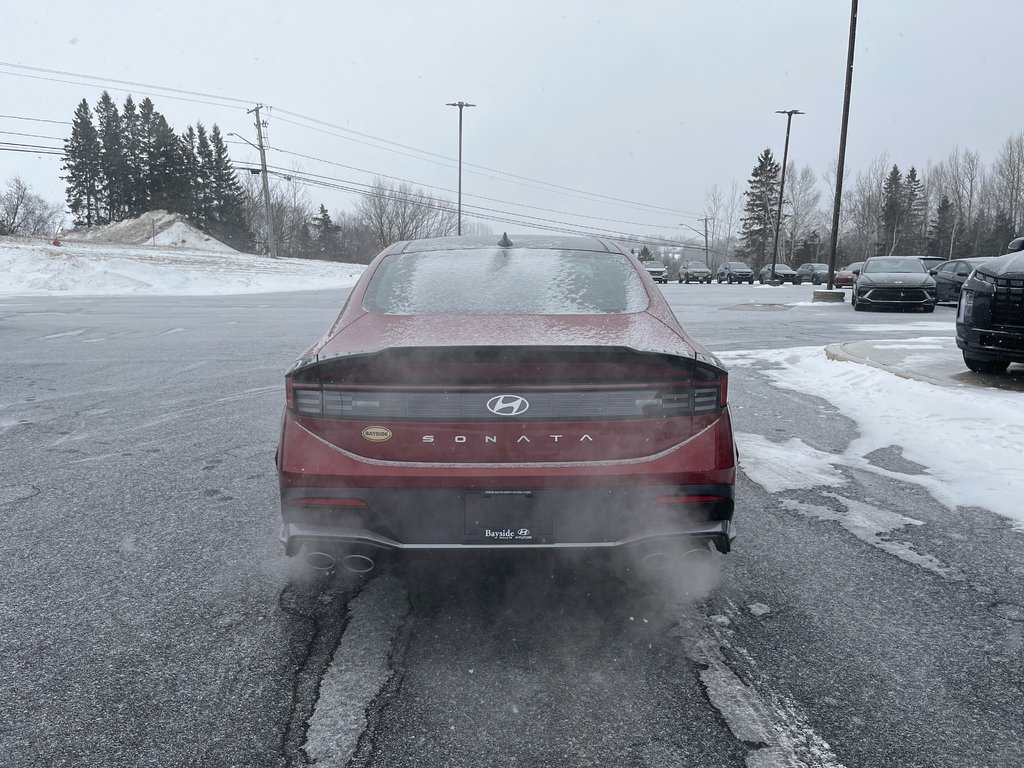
{"points": [[843, 353]]}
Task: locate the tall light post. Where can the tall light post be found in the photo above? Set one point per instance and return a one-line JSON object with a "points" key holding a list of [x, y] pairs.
{"points": [[842, 147], [782, 184], [460, 105]]}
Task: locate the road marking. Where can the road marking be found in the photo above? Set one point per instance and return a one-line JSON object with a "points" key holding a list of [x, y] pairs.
{"points": [[79, 332]]}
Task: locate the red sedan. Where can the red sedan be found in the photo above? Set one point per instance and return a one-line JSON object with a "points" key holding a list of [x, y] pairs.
{"points": [[845, 277], [476, 393]]}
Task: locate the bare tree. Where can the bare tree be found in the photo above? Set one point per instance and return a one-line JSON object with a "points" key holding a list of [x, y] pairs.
{"points": [[25, 213], [396, 212], [803, 197], [1008, 181], [865, 206]]}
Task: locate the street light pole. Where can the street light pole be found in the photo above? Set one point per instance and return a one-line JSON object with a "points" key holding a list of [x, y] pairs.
{"points": [[271, 241], [782, 184], [837, 203], [460, 105]]}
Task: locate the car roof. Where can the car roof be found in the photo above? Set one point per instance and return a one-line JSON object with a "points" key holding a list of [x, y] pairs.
{"points": [[464, 242]]}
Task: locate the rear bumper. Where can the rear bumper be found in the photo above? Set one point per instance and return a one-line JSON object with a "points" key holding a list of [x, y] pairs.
{"points": [[550, 518]]}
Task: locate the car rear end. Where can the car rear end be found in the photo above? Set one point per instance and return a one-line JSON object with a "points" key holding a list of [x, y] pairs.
{"points": [[476, 430]]}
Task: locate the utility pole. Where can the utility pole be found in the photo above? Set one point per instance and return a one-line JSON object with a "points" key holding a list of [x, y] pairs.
{"points": [[842, 147], [271, 240], [706, 219], [460, 105], [782, 184]]}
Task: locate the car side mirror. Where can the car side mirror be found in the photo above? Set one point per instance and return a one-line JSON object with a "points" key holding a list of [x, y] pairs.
{"points": [[933, 271], [856, 271], [1017, 244]]}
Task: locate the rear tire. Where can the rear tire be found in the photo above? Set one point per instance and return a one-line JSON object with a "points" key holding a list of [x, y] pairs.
{"points": [[796, 281], [751, 280], [985, 366], [930, 308], [730, 279]]}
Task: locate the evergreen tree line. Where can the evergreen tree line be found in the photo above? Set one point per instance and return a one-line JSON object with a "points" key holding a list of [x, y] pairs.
{"points": [[121, 163], [956, 208]]}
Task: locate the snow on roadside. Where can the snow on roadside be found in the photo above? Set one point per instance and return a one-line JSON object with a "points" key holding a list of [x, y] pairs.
{"points": [[970, 440], [88, 268]]}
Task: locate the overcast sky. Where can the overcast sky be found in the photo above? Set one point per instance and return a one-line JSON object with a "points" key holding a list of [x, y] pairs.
{"points": [[646, 102]]}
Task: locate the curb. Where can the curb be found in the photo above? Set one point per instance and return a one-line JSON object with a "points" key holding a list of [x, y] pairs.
{"points": [[842, 353]]}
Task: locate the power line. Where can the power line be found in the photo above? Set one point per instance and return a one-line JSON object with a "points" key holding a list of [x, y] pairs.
{"points": [[35, 119], [80, 76], [31, 135], [476, 197], [482, 169], [115, 88]]}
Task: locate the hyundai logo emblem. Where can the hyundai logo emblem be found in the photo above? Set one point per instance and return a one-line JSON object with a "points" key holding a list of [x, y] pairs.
{"points": [[507, 405]]}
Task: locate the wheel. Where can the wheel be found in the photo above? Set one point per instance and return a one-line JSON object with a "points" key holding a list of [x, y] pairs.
{"points": [[719, 281], [681, 280], [857, 306], [687, 281], [985, 366], [751, 280], [929, 308], [730, 279], [815, 280], [796, 281], [761, 279]]}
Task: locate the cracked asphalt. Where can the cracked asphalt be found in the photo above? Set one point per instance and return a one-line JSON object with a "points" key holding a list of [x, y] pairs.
{"points": [[149, 618]]}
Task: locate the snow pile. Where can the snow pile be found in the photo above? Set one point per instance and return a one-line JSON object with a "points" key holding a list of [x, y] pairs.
{"points": [[144, 229], [970, 440], [85, 267], [183, 235]]}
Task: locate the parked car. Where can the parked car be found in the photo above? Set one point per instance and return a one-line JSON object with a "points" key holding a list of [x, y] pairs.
{"points": [[845, 276], [990, 313], [735, 272], [893, 282], [657, 271], [812, 272], [694, 272], [931, 262], [783, 273], [475, 393], [951, 275]]}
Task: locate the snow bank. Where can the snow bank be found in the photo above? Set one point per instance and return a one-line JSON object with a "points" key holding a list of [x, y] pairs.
{"points": [[86, 267]]}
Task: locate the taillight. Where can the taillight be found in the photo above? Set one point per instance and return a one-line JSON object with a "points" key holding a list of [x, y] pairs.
{"points": [[303, 399]]}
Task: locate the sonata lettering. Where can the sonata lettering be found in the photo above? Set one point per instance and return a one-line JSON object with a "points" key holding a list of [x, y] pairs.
{"points": [[463, 439]]}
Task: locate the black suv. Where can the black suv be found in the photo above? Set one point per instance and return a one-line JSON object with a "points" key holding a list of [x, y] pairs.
{"points": [[990, 315], [816, 273], [735, 272], [694, 272]]}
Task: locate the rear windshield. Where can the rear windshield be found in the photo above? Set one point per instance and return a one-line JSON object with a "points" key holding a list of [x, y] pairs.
{"points": [[504, 281]]}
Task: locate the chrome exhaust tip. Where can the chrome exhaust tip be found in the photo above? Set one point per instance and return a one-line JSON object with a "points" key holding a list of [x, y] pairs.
{"points": [[357, 563], [321, 561]]}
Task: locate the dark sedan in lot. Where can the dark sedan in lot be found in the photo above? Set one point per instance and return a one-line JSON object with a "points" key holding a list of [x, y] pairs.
{"points": [[951, 275], [783, 273], [990, 315], [477, 393], [894, 282]]}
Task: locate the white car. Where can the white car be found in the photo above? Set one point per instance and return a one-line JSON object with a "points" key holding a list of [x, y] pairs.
{"points": [[657, 270]]}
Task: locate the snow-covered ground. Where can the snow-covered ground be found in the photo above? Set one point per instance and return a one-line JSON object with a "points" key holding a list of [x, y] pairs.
{"points": [[183, 262], [969, 439]]}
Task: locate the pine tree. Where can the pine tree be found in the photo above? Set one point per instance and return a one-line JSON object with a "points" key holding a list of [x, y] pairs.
{"points": [[188, 174], [757, 233], [324, 235], [112, 160], [82, 163], [942, 234], [204, 202], [893, 210], [168, 189], [914, 236], [134, 192], [228, 211]]}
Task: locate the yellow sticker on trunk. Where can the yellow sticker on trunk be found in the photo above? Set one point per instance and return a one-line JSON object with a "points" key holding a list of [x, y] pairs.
{"points": [[377, 434]]}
